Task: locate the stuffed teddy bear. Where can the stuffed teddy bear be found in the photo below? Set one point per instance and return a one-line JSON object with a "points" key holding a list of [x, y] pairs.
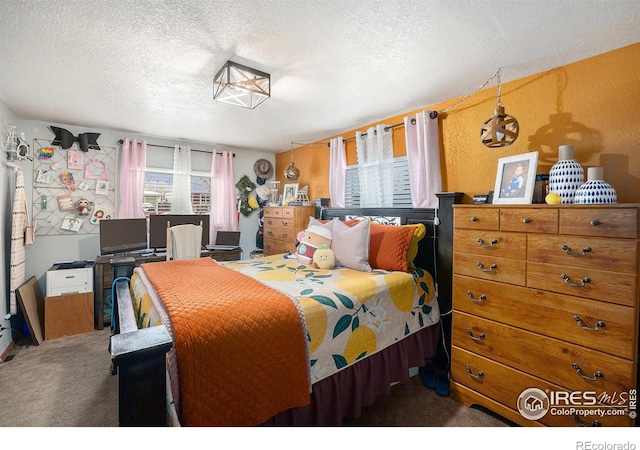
{"points": [[83, 206], [324, 258], [309, 241]]}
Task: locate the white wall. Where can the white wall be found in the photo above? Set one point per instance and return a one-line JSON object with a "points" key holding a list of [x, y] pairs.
{"points": [[51, 249], [6, 195]]}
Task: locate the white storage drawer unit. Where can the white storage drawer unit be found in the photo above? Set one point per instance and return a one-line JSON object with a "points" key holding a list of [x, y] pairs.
{"points": [[70, 278]]}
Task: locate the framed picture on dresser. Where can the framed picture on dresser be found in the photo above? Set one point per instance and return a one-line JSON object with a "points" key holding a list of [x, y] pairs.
{"points": [[515, 179]]}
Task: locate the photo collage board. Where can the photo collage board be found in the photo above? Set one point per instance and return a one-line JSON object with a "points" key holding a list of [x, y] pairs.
{"points": [[72, 189]]}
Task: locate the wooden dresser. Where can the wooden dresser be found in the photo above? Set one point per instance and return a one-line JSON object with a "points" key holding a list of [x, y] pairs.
{"points": [[545, 300], [282, 224]]}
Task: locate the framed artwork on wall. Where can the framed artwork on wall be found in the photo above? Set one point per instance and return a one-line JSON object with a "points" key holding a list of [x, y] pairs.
{"points": [[515, 179]]}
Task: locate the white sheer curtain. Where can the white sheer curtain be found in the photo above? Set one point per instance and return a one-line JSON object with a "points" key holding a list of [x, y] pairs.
{"points": [[181, 198], [133, 162], [375, 166], [423, 156], [337, 172], [224, 213]]}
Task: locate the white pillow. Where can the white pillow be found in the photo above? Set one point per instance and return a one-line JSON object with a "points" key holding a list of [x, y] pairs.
{"points": [[351, 244]]}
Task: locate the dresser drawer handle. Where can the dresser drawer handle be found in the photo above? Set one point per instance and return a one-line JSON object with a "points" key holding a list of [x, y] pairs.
{"points": [[595, 376], [595, 222], [480, 337], [284, 224], [270, 233], [490, 269], [474, 219], [489, 245], [284, 235], [567, 249], [526, 220], [599, 324], [582, 283], [475, 377], [476, 300], [579, 421]]}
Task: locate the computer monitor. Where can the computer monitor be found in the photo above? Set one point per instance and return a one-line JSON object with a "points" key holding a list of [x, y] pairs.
{"points": [[122, 235], [158, 227]]}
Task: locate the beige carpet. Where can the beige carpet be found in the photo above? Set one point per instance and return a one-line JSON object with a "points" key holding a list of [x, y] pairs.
{"points": [[67, 383]]}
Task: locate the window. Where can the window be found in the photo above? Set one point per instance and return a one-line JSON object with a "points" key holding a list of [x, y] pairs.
{"points": [[401, 185], [158, 182]]}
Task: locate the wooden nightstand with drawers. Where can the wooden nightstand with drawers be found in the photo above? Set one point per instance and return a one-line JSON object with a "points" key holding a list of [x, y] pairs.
{"points": [[545, 300]]}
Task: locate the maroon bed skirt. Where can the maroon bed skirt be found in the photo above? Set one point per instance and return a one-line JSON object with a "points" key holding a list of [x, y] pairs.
{"points": [[345, 393]]}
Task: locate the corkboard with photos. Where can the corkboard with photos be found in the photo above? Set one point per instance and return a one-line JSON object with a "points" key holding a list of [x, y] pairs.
{"points": [[72, 189]]}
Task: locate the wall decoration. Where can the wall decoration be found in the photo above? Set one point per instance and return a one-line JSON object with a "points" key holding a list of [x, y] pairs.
{"points": [[515, 179], [102, 187], [75, 160], [64, 138], [96, 170], [64, 202], [71, 223], [102, 212], [43, 177], [98, 163], [45, 153], [83, 206], [66, 178]]}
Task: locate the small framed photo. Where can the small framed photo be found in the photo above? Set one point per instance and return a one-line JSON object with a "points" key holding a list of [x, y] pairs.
{"points": [[515, 179], [290, 192]]}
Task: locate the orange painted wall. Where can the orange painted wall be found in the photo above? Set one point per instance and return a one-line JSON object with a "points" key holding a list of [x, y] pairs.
{"points": [[593, 104]]}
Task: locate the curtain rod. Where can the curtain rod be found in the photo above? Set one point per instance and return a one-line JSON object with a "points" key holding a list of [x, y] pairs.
{"points": [[121, 141], [413, 122]]}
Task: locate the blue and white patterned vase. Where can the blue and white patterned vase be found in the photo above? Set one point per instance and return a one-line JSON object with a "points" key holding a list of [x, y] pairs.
{"points": [[566, 176], [596, 190]]}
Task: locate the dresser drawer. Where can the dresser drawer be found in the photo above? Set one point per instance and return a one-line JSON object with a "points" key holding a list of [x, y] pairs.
{"points": [[476, 218], [281, 233], [532, 220], [273, 247], [620, 288], [616, 255], [605, 222], [569, 365], [506, 270], [555, 315], [280, 212], [494, 243], [505, 385]]}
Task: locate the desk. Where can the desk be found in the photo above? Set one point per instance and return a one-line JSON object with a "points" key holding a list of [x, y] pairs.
{"points": [[104, 273]]}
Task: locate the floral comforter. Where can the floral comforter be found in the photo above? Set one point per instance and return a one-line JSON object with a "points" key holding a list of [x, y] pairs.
{"points": [[349, 314]]}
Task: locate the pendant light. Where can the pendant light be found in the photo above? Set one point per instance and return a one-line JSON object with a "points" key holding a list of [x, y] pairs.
{"points": [[501, 129], [291, 172]]}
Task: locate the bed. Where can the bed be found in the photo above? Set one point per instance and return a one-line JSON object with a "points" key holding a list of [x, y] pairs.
{"points": [[295, 345]]}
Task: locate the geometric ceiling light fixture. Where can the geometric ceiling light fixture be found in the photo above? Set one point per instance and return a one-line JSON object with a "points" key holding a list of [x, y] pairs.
{"points": [[240, 85], [501, 129]]}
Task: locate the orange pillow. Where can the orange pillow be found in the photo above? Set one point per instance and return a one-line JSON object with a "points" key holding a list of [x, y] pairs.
{"points": [[418, 234], [389, 246]]}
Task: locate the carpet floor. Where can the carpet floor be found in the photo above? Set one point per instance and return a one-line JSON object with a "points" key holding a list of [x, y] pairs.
{"points": [[66, 382]]}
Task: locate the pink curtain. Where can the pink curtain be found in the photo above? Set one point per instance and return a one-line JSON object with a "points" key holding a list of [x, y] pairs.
{"points": [[224, 215], [337, 172], [423, 156], [133, 161]]}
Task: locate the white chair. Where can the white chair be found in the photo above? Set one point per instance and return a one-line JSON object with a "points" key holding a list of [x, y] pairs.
{"points": [[184, 241]]}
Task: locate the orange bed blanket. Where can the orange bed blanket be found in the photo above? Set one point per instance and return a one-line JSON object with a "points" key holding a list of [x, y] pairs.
{"points": [[240, 345]]}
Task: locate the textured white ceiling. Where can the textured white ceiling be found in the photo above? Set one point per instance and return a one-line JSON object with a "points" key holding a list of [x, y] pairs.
{"points": [[147, 66]]}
